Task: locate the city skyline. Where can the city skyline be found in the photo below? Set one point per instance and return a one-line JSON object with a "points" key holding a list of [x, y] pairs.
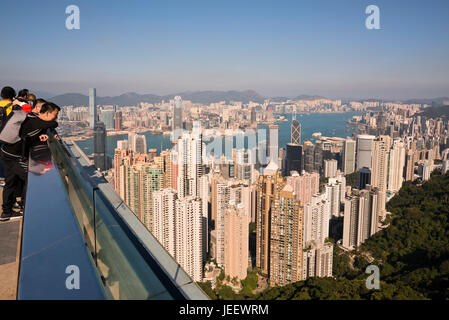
{"points": [[276, 48]]}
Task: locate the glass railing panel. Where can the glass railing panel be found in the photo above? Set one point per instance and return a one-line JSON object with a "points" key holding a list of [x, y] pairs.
{"points": [[126, 274], [55, 263], [132, 264], [80, 194]]}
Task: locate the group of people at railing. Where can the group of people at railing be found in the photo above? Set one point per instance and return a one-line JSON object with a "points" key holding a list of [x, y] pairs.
{"points": [[24, 121]]}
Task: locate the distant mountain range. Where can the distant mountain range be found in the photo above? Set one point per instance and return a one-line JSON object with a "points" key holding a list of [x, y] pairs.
{"points": [[204, 97], [132, 98], [439, 100], [435, 112]]}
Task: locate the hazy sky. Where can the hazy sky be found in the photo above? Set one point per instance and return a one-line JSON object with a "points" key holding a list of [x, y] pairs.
{"points": [[274, 47]]}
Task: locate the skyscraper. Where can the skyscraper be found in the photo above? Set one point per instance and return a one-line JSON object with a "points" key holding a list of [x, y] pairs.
{"points": [[409, 165], [140, 144], [236, 222], [445, 161], [268, 188], [360, 218], [316, 219], [189, 236], [164, 219], [190, 166], [286, 239], [318, 157], [92, 107], [296, 131], [363, 178], [224, 193], [292, 159], [364, 151], [273, 143], [100, 160], [253, 115], [317, 260], [107, 117], [304, 186], [177, 117], [396, 166], [348, 156], [379, 170], [309, 163], [330, 168], [335, 192], [118, 120]]}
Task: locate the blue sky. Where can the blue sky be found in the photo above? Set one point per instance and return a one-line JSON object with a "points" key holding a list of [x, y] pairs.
{"points": [[274, 47]]}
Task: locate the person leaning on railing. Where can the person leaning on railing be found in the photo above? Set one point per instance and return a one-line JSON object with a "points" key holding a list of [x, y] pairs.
{"points": [[15, 156], [22, 100], [7, 95]]}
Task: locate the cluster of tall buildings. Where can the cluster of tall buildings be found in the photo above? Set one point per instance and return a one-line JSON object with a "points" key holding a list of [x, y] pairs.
{"points": [[200, 206]]}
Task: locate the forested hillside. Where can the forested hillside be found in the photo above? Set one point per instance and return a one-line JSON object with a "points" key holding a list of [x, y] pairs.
{"points": [[412, 254]]}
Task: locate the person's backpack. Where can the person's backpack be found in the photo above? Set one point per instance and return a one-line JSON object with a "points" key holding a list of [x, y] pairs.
{"points": [[10, 127], [3, 113]]}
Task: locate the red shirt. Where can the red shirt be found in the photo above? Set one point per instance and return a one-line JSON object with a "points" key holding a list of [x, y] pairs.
{"points": [[26, 107]]}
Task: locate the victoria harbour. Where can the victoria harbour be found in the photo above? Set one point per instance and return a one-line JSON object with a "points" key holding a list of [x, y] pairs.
{"points": [[328, 124]]}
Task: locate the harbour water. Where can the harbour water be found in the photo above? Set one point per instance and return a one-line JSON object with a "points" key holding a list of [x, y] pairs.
{"points": [[328, 124]]}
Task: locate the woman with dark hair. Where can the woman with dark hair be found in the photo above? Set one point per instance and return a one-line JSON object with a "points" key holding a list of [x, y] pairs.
{"points": [[22, 100]]}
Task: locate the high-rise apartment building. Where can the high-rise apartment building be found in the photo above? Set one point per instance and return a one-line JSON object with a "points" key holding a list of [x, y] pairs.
{"points": [[348, 156], [365, 145], [304, 186], [317, 260], [190, 165], [92, 107], [409, 165], [335, 191], [330, 168], [381, 147], [363, 178], [360, 217], [189, 236], [396, 166], [316, 219], [236, 252], [268, 192], [253, 115], [273, 143], [286, 239], [100, 159], [224, 192], [118, 120], [164, 218]]}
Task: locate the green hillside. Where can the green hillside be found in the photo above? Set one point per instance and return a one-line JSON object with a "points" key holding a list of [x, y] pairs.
{"points": [[412, 254]]}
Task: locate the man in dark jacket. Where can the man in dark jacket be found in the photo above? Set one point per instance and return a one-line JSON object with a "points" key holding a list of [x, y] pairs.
{"points": [[15, 156]]}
